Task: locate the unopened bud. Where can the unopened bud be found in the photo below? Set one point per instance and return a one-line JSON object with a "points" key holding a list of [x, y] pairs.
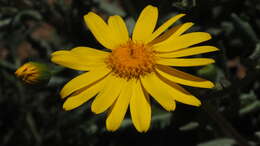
{"points": [[34, 73]]}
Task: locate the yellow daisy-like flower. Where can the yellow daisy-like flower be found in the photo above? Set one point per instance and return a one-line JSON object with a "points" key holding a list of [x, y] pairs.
{"points": [[135, 67]]}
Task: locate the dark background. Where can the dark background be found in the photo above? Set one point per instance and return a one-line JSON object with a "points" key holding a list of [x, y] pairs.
{"points": [[30, 30]]}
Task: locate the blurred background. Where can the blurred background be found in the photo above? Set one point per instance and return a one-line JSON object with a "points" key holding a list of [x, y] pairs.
{"points": [[31, 30]]}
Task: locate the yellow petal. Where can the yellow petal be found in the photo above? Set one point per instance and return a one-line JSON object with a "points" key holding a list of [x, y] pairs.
{"points": [[161, 88], [182, 41], [173, 33], [108, 95], [187, 62], [65, 58], [75, 101], [80, 58], [164, 27], [165, 35], [145, 24], [188, 52], [84, 80], [101, 31], [140, 108], [182, 77], [89, 53], [119, 109], [117, 24], [155, 87], [179, 93], [181, 30]]}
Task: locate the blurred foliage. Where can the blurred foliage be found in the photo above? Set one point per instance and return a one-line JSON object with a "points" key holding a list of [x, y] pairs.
{"points": [[30, 30]]}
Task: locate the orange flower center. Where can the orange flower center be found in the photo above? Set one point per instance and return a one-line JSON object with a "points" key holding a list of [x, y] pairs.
{"points": [[131, 60]]}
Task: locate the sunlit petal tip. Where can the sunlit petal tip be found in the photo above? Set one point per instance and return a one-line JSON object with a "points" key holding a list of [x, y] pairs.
{"points": [[211, 85], [63, 94], [56, 59], [198, 103], [55, 53], [209, 61], [215, 48], [212, 61], [170, 109], [67, 107], [89, 14], [111, 127], [150, 7], [94, 110], [52, 54], [142, 129], [53, 59], [92, 17], [182, 14], [205, 35], [208, 84], [70, 104], [190, 23], [209, 36]]}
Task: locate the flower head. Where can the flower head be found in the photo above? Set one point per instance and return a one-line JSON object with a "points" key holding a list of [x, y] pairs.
{"points": [[135, 68], [33, 73]]}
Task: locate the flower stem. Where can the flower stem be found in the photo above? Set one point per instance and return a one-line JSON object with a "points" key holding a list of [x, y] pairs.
{"points": [[224, 125]]}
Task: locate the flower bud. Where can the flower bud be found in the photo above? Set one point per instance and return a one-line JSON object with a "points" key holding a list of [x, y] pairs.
{"points": [[34, 73]]}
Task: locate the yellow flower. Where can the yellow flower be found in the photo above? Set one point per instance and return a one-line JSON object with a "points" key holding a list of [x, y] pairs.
{"points": [[134, 68], [33, 73]]}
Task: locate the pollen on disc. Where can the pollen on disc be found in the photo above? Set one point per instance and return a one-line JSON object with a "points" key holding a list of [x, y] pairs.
{"points": [[131, 60]]}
